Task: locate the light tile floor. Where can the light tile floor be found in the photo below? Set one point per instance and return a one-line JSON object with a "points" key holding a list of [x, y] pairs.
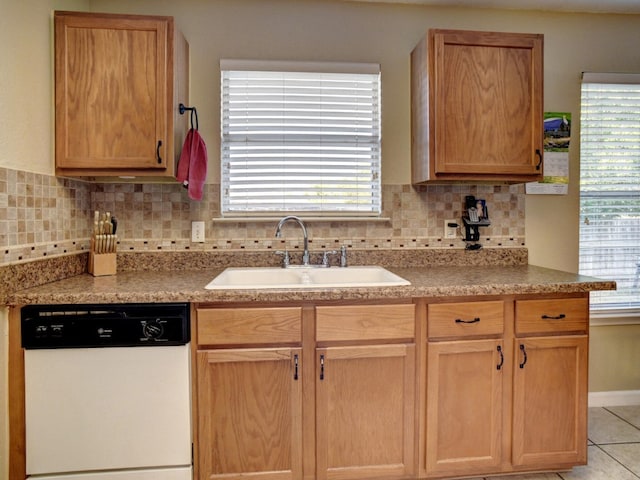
{"points": [[613, 451]]}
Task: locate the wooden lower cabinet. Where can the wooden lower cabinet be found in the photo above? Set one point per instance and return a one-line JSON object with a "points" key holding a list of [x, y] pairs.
{"points": [[550, 383], [501, 384], [464, 407], [365, 412], [262, 414], [248, 386], [513, 402], [550, 402], [250, 414]]}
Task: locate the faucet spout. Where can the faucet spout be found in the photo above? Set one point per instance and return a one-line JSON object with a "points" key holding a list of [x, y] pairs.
{"points": [[298, 220]]}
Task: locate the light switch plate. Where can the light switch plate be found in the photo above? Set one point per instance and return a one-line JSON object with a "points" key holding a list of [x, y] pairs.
{"points": [[450, 232], [197, 232]]}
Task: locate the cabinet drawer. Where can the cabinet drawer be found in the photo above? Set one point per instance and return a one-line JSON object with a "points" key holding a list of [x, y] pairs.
{"points": [[231, 326], [365, 322], [468, 319], [552, 316]]}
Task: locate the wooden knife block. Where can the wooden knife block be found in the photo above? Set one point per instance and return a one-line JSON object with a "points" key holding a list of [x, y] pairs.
{"points": [[101, 264]]}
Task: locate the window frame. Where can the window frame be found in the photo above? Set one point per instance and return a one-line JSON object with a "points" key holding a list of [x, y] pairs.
{"points": [[363, 177], [611, 305]]}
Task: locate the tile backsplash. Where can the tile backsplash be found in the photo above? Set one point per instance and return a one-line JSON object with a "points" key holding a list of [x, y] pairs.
{"points": [[42, 215]]}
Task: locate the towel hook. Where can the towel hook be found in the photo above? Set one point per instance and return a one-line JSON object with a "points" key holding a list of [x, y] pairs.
{"points": [[194, 113]]}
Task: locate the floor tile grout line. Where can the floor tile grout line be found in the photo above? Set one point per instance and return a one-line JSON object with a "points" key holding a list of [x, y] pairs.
{"points": [[616, 443], [621, 418], [617, 461]]}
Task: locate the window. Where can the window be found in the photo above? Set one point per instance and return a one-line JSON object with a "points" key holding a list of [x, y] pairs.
{"points": [[300, 138], [610, 187]]}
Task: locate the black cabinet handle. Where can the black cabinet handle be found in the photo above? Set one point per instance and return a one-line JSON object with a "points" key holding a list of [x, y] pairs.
{"points": [[475, 320], [321, 367], [524, 353], [295, 367], [158, 151], [551, 317], [539, 155], [499, 366]]}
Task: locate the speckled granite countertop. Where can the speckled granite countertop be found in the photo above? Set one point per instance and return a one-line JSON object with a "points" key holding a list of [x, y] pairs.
{"points": [[426, 281]]}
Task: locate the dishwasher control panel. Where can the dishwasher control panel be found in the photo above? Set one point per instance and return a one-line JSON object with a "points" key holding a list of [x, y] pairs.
{"points": [[105, 325]]}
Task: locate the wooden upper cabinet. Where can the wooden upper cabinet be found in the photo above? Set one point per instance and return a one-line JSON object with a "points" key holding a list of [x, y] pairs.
{"points": [[476, 107], [118, 82]]}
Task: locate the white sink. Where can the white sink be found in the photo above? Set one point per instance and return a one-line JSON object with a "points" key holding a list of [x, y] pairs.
{"points": [[304, 277]]}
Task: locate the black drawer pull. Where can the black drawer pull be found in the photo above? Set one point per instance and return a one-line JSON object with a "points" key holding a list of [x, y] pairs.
{"points": [[475, 320], [295, 364], [551, 317], [524, 355], [158, 151], [499, 366]]}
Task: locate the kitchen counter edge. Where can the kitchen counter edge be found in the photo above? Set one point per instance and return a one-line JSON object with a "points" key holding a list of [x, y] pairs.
{"points": [[426, 282]]}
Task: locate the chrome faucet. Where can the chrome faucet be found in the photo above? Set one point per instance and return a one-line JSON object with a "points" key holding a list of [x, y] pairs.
{"points": [[305, 253]]}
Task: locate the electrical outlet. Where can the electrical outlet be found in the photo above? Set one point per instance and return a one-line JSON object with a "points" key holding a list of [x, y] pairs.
{"points": [[197, 232], [450, 232]]}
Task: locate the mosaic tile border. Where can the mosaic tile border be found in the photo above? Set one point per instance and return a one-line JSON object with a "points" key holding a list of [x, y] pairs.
{"points": [[21, 254]]}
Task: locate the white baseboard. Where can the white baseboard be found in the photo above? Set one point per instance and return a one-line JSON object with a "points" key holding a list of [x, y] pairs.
{"points": [[615, 398]]}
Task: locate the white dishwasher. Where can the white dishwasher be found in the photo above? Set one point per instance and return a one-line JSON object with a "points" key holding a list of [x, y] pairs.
{"points": [[107, 392]]}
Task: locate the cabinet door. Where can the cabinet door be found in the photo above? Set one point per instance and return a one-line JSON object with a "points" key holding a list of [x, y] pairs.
{"points": [[365, 411], [464, 407], [111, 92], [250, 414], [488, 103], [550, 402]]}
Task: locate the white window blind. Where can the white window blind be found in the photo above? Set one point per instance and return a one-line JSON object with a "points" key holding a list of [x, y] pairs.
{"points": [[300, 137], [610, 187]]}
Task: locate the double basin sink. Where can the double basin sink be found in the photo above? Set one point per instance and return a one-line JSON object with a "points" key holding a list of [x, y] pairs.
{"points": [[305, 277]]}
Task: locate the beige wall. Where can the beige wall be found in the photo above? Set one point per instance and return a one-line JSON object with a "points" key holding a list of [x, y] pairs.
{"points": [[614, 357], [334, 31], [320, 30], [337, 31], [26, 87]]}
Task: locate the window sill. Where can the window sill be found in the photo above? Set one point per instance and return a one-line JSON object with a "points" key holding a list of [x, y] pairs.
{"points": [[306, 219]]}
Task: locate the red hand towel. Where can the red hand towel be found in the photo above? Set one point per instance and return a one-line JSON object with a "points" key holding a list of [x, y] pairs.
{"points": [[192, 167], [183, 163], [198, 167]]}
